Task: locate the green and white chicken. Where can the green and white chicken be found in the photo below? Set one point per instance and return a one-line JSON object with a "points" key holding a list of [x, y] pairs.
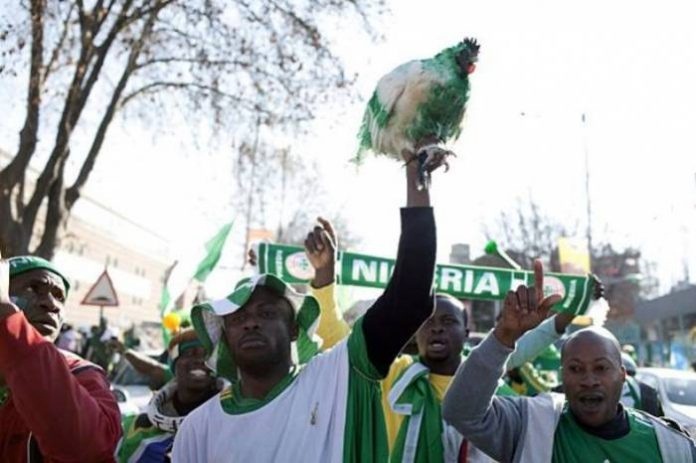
{"points": [[419, 106]]}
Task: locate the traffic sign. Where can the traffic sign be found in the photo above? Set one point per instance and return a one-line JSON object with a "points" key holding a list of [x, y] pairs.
{"points": [[102, 293]]}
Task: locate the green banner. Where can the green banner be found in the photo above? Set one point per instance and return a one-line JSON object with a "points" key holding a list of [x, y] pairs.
{"points": [[461, 281]]}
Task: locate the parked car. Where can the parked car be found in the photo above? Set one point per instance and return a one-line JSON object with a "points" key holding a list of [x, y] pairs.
{"points": [[131, 389], [677, 392]]}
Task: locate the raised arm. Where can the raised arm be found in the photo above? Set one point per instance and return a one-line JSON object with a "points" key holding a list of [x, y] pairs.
{"points": [[157, 372], [533, 342], [320, 247], [71, 414], [494, 424], [408, 299]]}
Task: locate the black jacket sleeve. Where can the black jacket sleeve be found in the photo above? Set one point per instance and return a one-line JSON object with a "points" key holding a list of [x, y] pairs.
{"points": [[408, 299]]}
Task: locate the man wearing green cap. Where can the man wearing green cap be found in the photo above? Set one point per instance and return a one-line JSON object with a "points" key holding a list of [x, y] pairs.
{"points": [[323, 408], [54, 406]]}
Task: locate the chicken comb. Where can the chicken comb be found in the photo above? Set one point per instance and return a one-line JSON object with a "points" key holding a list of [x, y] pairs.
{"points": [[472, 45]]}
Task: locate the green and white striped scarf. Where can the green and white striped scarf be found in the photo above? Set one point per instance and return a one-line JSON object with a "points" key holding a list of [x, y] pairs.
{"points": [[207, 319], [424, 437]]}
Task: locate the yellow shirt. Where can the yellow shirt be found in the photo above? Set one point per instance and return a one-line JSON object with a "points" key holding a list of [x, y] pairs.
{"points": [[439, 383], [332, 329]]}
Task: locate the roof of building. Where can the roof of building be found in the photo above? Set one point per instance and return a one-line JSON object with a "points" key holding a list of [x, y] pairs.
{"points": [[668, 306]]}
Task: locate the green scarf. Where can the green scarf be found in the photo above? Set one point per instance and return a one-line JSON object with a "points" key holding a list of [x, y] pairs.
{"points": [[420, 435], [461, 281]]}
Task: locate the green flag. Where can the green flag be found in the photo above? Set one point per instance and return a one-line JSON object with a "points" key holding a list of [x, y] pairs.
{"points": [[199, 266], [214, 251]]}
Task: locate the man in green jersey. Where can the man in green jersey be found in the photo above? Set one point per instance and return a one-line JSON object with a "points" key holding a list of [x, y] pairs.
{"points": [[413, 390], [588, 425], [304, 407]]}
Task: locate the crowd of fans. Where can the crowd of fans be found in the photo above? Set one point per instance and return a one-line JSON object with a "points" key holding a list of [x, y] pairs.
{"points": [[268, 374]]}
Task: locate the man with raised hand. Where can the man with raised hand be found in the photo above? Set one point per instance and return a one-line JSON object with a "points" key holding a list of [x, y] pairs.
{"points": [[589, 424], [323, 408], [54, 406], [413, 390]]}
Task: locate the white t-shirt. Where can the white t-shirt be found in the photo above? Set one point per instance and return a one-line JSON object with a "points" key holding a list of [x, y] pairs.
{"points": [[304, 419]]}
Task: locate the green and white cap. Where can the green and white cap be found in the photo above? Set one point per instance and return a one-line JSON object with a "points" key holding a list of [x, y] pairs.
{"points": [[208, 322]]}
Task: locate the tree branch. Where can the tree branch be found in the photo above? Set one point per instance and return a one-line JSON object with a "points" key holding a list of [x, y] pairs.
{"points": [[311, 30], [155, 87], [102, 51], [139, 13], [48, 69], [176, 59], [73, 193], [10, 175], [82, 16], [247, 66]]}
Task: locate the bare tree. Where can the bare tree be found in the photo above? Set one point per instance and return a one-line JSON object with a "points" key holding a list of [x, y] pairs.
{"points": [[527, 233], [278, 190], [267, 62]]}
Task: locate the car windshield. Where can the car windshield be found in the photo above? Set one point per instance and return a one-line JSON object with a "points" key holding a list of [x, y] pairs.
{"points": [[681, 391]]}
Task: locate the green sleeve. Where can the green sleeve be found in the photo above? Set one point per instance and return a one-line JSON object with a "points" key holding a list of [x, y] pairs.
{"points": [[357, 353], [365, 436]]}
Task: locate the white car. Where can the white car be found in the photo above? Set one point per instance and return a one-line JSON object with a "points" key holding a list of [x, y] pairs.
{"points": [[131, 389], [677, 392]]}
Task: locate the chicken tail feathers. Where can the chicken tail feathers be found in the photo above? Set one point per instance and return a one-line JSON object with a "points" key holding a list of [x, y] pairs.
{"points": [[375, 119]]}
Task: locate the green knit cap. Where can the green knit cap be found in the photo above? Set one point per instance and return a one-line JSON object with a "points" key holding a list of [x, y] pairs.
{"points": [[24, 264]]}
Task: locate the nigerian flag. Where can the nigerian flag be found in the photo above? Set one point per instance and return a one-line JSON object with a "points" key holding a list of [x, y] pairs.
{"points": [[197, 267]]}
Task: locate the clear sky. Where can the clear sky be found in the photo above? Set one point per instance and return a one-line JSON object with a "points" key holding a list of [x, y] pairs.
{"points": [[629, 65]]}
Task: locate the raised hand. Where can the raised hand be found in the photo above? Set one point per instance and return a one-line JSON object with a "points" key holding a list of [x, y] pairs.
{"points": [[320, 248], [524, 309], [598, 287]]}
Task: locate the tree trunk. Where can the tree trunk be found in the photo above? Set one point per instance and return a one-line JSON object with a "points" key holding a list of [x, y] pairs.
{"points": [[56, 217], [61, 201], [13, 235]]}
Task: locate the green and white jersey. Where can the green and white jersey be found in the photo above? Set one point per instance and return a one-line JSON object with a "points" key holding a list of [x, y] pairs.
{"points": [[326, 411], [573, 445]]}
